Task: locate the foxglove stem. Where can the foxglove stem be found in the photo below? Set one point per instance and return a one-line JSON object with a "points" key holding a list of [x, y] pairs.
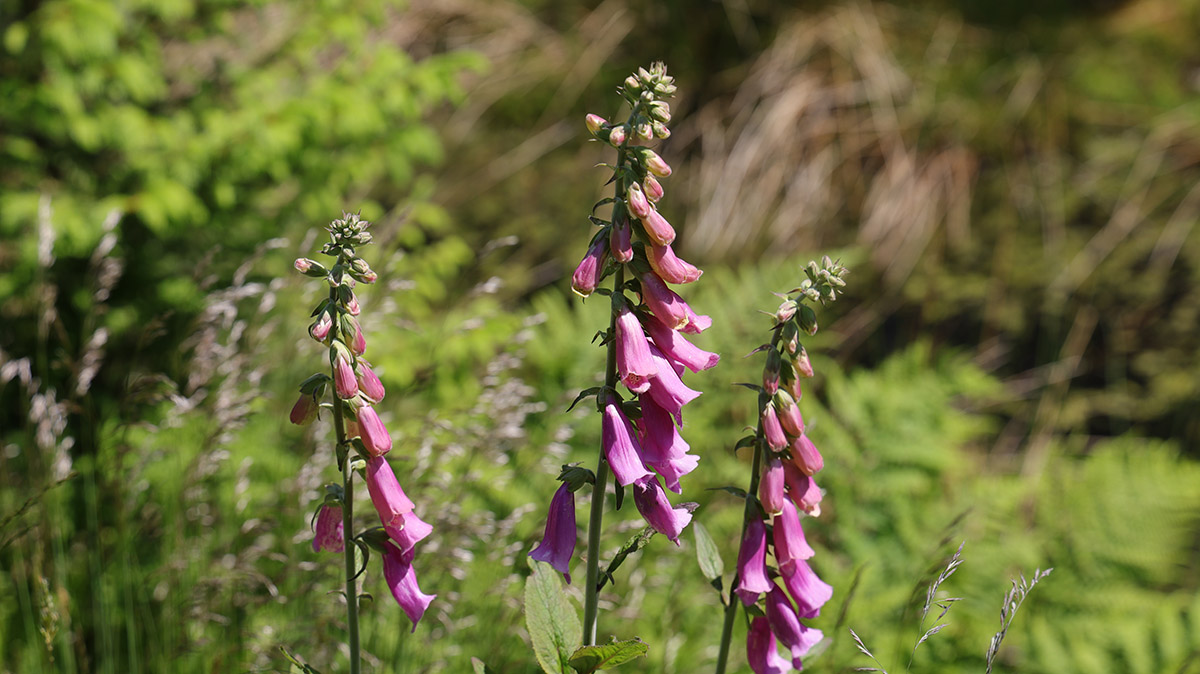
{"points": [[339, 425]]}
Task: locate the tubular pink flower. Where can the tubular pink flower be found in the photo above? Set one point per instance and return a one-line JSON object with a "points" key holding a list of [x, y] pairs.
{"points": [[344, 381], [402, 581], [558, 541], [805, 456], [674, 468], [655, 164], [620, 241], [652, 503], [304, 411], [329, 529], [634, 364], [671, 268], [594, 123], [776, 440], [636, 202], [802, 490], [320, 329], [375, 436], [359, 344], [617, 136], [752, 563], [664, 303], [663, 448], [786, 625], [657, 228], [621, 447], [678, 349], [353, 307], [789, 414], [389, 499], [809, 592], [695, 324], [590, 269], [652, 188], [790, 543], [761, 652], [667, 389], [770, 487], [368, 382], [803, 364], [412, 531]]}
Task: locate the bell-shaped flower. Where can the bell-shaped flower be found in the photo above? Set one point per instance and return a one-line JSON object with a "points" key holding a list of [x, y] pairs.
{"points": [[344, 381], [786, 625], [634, 364], [667, 389], [677, 348], [402, 581], [657, 228], [752, 563], [663, 448], [805, 456], [674, 468], [389, 499], [770, 376], [802, 490], [410, 532], [803, 364], [770, 487], [352, 306], [772, 429], [790, 543], [664, 303], [374, 434], [789, 413], [652, 503], [359, 344], [329, 529], [761, 653], [591, 268], [655, 164], [695, 324], [320, 329], [305, 410], [670, 267], [368, 382], [621, 447], [652, 188], [636, 202], [558, 541], [808, 591], [620, 240]]}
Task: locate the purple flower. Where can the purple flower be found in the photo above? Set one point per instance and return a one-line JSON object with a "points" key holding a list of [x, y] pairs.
{"points": [[390, 501], [621, 446], [802, 490], [667, 389], [374, 434], [786, 625], [789, 414], [761, 653], [772, 429], [620, 240], [411, 531], [752, 563], [590, 269], [809, 591], [633, 352], [665, 304], [695, 324], [329, 529], [652, 188], [657, 228], [790, 543], [558, 542], [402, 581], [320, 329], [652, 503], [368, 382], [305, 410], [663, 448], [635, 200], [770, 488], [343, 374], [805, 456], [677, 348], [671, 268]]}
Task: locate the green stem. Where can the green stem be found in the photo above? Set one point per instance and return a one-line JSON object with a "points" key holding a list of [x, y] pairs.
{"points": [[339, 426], [749, 512]]}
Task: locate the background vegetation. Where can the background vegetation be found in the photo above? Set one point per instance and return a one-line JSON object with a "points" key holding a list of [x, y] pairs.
{"points": [[1012, 184]]}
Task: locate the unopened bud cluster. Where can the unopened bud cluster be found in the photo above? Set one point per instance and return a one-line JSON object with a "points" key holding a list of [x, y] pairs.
{"points": [[786, 487], [357, 391], [646, 91]]}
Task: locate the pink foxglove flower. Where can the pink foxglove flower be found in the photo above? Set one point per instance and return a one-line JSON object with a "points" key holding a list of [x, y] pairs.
{"points": [[652, 503], [770, 487], [558, 541], [621, 447], [790, 543], [670, 267], [410, 532], [664, 303], [652, 188], [678, 349], [695, 324], [806, 457], [634, 364], [620, 240], [359, 344], [663, 448], [803, 364], [657, 228], [368, 382], [667, 389], [594, 123], [389, 499], [320, 329], [809, 592], [772, 429], [802, 490], [655, 164], [635, 200], [402, 581], [344, 381], [789, 414], [375, 436], [305, 410], [590, 269], [785, 624], [752, 563], [761, 652], [329, 529], [616, 137]]}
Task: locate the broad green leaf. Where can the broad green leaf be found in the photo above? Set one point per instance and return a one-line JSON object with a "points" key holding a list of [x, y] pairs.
{"points": [[553, 625], [594, 658], [711, 564]]}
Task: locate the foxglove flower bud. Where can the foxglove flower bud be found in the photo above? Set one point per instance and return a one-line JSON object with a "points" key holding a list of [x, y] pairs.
{"points": [[770, 375], [310, 267], [678, 349], [786, 625], [652, 503], [632, 85], [761, 652], [620, 241], [616, 137], [671, 268], [789, 413], [661, 130], [802, 490], [786, 311], [590, 269], [752, 563], [359, 344], [655, 164], [634, 364], [368, 383], [657, 228], [770, 488], [329, 529], [664, 303], [352, 306], [594, 123], [808, 591], [772, 429], [653, 189], [344, 381], [411, 532], [636, 202], [374, 434], [389, 499], [806, 457], [558, 541], [790, 543], [660, 111], [320, 329], [791, 337], [621, 448], [402, 581], [305, 410], [803, 364]]}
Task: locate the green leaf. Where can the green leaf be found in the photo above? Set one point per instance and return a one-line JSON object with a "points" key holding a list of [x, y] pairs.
{"points": [[711, 564], [593, 658], [297, 667], [480, 667], [553, 625]]}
